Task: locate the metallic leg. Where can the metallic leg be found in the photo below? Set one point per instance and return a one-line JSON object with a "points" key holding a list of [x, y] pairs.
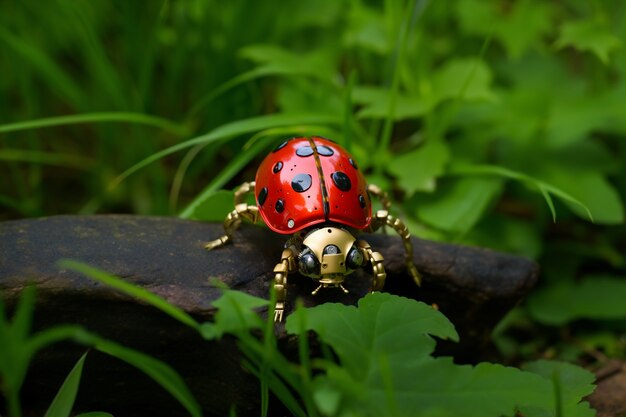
{"points": [[378, 269], [384, 218], [234, 218], [375, 190], [281, 270]]}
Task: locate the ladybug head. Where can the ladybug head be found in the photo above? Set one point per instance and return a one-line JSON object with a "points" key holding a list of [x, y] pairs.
{"points": [[328, 254]]}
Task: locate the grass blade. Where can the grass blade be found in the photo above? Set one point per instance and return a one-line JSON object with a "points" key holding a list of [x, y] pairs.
{"points": [[162, 373], [242, 159], [63, 402], [23, 316], [159, 371], [46, 158], [543, 187], [227, 131], [102, 117], [44, 65], [130, 289]]}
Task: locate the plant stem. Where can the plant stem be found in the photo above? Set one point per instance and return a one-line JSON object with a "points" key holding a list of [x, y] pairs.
{"points": [[417, 6]]}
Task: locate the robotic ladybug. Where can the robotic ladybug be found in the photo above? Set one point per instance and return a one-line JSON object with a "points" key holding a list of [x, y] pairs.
{"points": [[311, 189]]}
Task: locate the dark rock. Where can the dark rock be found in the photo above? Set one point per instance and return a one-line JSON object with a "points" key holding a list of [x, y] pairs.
{"points": [[473, 287]]}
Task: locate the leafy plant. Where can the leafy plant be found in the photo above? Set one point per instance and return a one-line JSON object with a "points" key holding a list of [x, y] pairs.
{"points": [[383, 363]]}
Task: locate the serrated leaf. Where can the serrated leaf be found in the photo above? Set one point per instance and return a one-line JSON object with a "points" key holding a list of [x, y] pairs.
{"points": [[570, 384], [592, 298], [236, 313], [458, 205], [358, 339], [417, 170], [441, 387], [589, 35], [386, 367]]}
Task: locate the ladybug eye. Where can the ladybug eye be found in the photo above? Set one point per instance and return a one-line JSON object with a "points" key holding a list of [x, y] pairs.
{"points": [[355, 258], [308, 263]]}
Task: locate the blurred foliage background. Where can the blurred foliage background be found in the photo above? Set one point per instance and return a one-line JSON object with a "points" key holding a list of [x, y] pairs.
{"points": [[497, 123]]}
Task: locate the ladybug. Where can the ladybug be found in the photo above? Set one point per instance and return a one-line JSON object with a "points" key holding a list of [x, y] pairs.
{"points": [[312, 189]]}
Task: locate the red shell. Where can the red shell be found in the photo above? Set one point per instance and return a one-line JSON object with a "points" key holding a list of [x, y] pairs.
{"points": [[306, 181]]}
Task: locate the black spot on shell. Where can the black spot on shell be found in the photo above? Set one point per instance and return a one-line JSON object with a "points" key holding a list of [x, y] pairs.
{"points": [[341, 181], [280, 206], [324, 150], [277, 167], [279, 147], [262, 196], [304, 151], [362, 202], [353, 163], [301, 182]]}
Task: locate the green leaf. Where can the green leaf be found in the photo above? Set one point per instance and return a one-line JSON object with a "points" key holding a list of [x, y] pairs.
{"points": [[589, 35], [463, 79], [375, 101], [236, 314], [519, 26], [386, 367], [595, 297], [95, 414], [440, 387], [507, 234], [418, 170], [459, 204], [574, 115], [466, 79], [63, 402], [570, 385], [359, 336], [131, 290], [366, 29]]}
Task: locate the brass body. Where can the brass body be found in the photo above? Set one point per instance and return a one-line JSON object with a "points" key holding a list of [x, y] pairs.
{"points": [[333, 267]]}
